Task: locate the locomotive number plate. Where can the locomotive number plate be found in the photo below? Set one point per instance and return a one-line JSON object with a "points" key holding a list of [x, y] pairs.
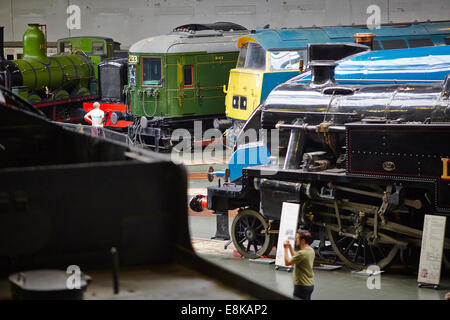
{"points": [[132, 59]]}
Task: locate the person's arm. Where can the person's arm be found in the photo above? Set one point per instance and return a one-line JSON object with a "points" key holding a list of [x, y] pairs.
{"points": [[291, 249], [287, 249], [87, 117]]}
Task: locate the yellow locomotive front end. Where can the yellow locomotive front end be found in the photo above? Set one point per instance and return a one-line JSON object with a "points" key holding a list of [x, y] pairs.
{"points": [[245, 81], [263, 64]]}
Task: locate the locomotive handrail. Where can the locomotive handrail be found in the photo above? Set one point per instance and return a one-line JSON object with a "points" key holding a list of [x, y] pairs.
{"points": [[314, 112], [309, 127]]}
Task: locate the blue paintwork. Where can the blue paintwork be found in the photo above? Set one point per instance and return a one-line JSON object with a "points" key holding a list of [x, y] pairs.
{"points": [[292, 39], [220, 174], [245, 156], [272, 79], [426, 64]]}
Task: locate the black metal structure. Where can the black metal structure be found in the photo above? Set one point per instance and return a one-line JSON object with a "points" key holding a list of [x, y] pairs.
{"points": [[65, 200], [219, 26]]}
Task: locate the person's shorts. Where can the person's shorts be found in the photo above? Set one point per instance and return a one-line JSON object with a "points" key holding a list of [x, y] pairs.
{"points": [[303, 292], [97, 132]]}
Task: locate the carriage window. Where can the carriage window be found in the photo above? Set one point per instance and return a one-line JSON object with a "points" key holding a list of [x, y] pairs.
{"points": [[242, 56], [98, 47], [286, 60], [256, 57], [394, 44], [376, 45], [416, 43], [188, 77], [65, 46], [447, 40], [151, 71]]}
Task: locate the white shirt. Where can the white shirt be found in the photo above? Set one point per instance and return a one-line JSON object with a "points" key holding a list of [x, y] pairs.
{"points": [[96, 116]]}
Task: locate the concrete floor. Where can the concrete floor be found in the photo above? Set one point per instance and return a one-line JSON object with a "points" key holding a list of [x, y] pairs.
{"points": [[329, 285]]}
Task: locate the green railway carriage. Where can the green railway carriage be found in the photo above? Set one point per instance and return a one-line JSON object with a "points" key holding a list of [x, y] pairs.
{"points": [[176, 79]]}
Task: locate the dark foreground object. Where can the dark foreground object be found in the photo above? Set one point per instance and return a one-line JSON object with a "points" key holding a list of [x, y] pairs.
{"points": [[67, 199]]}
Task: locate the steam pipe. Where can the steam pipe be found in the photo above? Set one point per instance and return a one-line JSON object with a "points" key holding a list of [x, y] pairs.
{"points": [[294, 152], [291, 187]]}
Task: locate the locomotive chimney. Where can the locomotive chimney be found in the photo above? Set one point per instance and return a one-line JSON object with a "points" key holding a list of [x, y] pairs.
{"points": [[34, 43], [322, 72], [365, 39]]}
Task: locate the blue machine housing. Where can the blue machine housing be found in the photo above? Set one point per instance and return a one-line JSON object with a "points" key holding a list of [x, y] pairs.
{"points": [[245, 156], [417, 65]]}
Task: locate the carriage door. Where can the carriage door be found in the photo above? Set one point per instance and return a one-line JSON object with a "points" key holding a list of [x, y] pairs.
{"points": [[187, 97], [212, 74]]}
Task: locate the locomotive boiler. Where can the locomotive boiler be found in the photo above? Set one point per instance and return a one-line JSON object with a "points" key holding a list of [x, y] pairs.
{"points": [[365, 162], [36, 74]]}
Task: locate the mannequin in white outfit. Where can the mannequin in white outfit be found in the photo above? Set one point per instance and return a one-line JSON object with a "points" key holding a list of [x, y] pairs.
{"points": [[96, 117]]}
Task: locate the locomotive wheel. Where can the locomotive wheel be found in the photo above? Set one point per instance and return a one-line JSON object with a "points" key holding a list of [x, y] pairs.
{"points": [[250, 235], [359, 253]]}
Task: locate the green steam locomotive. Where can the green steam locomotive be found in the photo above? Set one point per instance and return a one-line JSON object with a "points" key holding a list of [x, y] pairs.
{"points": [[56, 84]]}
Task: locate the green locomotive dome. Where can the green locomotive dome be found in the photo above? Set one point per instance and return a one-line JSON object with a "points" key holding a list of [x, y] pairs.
{"points": [[209, 41]]}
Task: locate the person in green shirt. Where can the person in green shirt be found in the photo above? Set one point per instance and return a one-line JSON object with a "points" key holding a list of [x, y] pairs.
{"points": [[303, 264]]}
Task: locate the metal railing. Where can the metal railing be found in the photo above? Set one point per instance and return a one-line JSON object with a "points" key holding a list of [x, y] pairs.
{"points": [[98, 132]]}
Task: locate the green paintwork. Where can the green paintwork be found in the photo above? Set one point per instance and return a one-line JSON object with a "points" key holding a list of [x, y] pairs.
{"points": [[34, 43], [96, 48], [58, 73], [89, 45], [205, 97], [62, 76]]}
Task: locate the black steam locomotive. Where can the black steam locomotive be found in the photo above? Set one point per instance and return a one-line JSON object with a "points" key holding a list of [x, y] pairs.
{"points": [[366, 162]]}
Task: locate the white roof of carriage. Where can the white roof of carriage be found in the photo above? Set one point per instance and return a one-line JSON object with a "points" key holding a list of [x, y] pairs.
{"points": [[178, 42]]}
